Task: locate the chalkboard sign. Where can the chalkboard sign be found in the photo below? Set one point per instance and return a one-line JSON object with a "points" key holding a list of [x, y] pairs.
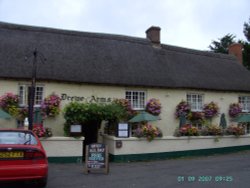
{"points": [[96, 157]]}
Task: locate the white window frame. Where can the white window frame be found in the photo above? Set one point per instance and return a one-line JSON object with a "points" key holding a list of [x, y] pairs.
{"points": [[23, 95], [137, 99], [247, 128], [195, 100], [245, 102]]}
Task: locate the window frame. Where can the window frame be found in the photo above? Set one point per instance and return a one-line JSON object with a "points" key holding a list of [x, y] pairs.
{"points": [[196, 101], [247, 128], [245, 102], [137, 99], [23, 94]]}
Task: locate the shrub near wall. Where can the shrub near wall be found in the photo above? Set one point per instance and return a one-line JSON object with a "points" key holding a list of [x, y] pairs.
{"points": [[80, 113]]}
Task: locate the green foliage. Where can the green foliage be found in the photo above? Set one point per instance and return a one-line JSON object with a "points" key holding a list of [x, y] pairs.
{"points": [[221, 46], [75, 113], [246, 30], [246, 55], [79, 113], [114, 112], [82, 112]]}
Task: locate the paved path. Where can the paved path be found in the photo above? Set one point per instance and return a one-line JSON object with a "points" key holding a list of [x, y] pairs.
{"points": [[230, 170]]}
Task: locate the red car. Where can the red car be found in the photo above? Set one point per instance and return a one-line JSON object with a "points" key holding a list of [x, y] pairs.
{"points": [[22, 157]]}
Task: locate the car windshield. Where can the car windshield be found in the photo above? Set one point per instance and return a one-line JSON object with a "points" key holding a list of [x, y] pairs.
{"points": [[11, 137]]}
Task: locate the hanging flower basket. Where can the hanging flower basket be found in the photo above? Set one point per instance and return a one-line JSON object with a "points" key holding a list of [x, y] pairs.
{"points": [[153, 107], [211, 110], [183, 108], [9, 103], [234, 109], [51, 105]]}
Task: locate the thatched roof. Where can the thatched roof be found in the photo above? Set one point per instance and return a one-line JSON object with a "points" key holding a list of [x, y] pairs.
{"points": [[94, 58]]}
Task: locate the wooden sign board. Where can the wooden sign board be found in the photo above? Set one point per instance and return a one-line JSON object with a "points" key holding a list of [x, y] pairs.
{"points": [[96, 158]]}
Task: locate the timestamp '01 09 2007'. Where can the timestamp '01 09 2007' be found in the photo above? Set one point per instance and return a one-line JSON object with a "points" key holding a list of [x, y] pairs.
{"points": [[205, 178]]}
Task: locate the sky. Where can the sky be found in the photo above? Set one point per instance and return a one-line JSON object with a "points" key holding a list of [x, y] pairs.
{"points": [[185, 23]]}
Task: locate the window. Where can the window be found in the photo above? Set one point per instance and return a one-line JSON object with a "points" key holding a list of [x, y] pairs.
{"points": [[195, 101], [247, 128], [24, 92], [245, 102], [137, 99]]}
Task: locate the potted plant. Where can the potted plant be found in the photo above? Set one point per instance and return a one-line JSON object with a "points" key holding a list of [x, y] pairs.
{"points": [[148, 131], [235, 130], [187, 130]]}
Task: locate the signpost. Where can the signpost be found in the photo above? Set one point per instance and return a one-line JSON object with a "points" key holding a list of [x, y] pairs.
{"points": [[96, 158]]}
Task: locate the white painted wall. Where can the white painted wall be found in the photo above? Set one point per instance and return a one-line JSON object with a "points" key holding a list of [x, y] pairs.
{"points": [[134, 145], [168, 97], [63, 146]]}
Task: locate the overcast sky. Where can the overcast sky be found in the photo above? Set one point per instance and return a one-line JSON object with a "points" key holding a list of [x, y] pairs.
{"points": [[185, 23]]}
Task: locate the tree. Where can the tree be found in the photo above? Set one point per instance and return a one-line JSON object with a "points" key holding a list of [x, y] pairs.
{"points": [[246, 55], [221, 46], [246, 45], [246, 30]]}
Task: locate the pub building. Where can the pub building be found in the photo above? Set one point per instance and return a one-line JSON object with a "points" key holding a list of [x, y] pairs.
{"points": [[95, 67]]}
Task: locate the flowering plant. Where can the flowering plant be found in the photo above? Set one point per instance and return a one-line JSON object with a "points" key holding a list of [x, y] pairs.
{"points": [[8, 99], [148, 131], [196, 116], [153, 107], [126, 105], [182, 108], [234, 109], [22, 114], [40, 131], [214, 130], [51, 105], [235, 130], [187, 130], [211, 109], [9, 103]]}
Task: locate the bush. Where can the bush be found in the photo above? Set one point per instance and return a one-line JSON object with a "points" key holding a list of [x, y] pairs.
{"points": [[80, 113]]}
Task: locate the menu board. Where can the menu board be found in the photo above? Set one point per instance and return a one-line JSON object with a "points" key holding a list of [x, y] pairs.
{"points": [[96, 157], [123, 130]]}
